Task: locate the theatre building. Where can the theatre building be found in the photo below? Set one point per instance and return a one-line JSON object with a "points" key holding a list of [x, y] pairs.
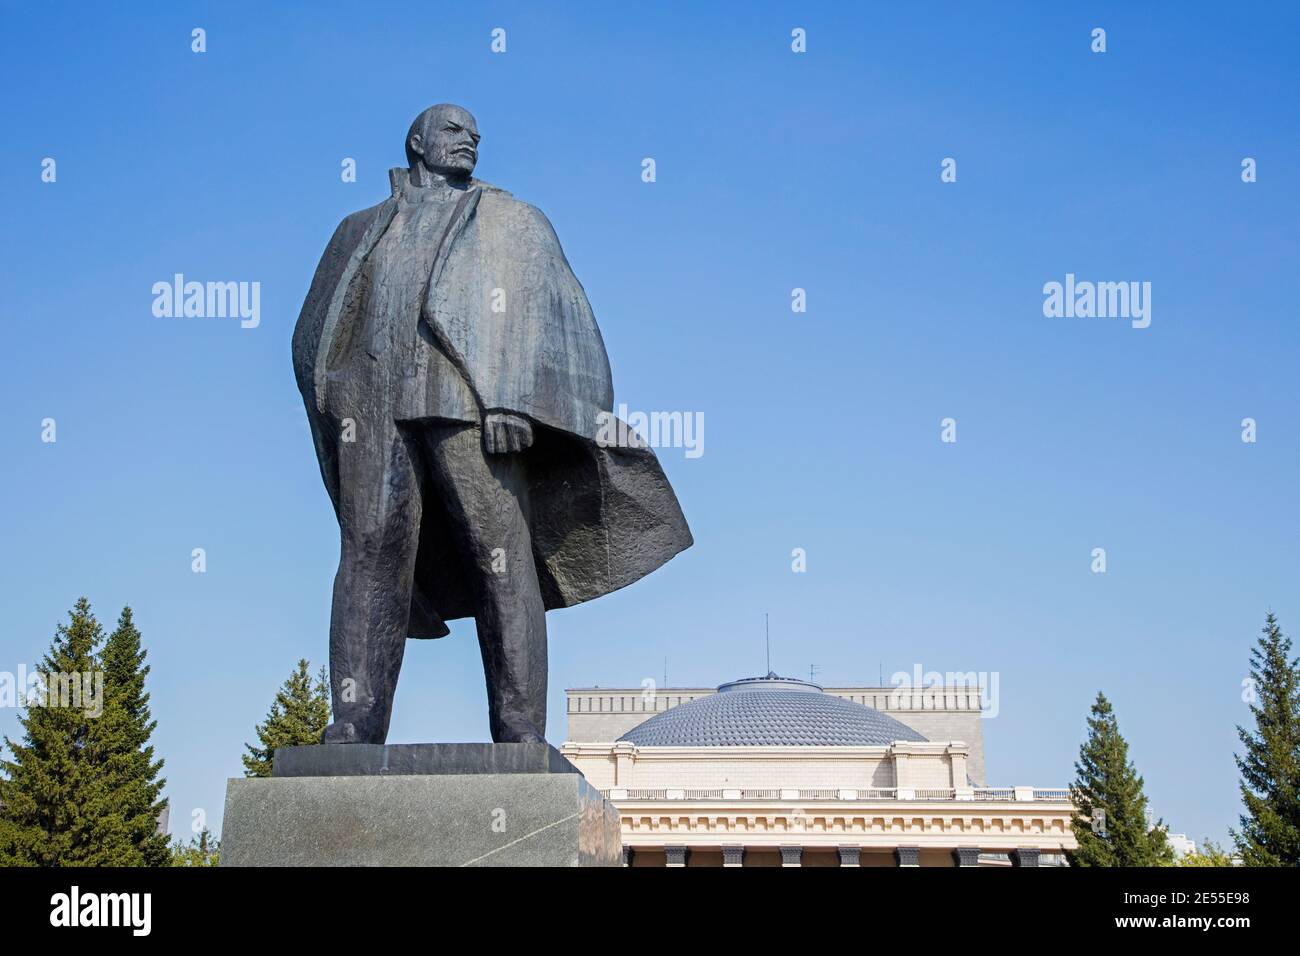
{"points": [[772, 771]]}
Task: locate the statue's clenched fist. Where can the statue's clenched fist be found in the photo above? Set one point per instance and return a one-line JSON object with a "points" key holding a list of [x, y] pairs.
{"points": [[504, 433]]}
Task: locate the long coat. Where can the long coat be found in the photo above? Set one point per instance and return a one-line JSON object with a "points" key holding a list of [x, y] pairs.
{"points": [[485, 316]]}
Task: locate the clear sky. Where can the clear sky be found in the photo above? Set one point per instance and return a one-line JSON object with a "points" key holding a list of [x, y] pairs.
{"points": [[775, 170]]}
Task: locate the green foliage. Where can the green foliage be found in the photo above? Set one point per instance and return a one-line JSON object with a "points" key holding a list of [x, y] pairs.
{"points": [[1270, 767], [1210, 854], [131, 762], [203, 850], [298, 717], [1110, 818], [81, 788]]}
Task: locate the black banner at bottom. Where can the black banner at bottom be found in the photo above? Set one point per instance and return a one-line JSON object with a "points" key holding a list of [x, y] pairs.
{"points": [[345, 906]]}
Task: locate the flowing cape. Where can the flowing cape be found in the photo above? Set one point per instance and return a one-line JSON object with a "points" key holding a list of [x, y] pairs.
{"points": [[513, 331]]}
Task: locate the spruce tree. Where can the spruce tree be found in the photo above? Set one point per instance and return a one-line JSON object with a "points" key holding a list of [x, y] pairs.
{"points": [[56, 803], [126, 743], [298, 717], [1270, 767], [1110, 818]]}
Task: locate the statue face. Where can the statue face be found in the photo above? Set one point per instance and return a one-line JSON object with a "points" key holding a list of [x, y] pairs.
{"points": [[449, 143]]}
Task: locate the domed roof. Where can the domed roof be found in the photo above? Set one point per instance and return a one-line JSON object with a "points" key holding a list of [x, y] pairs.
{"points": [[769, 711]]}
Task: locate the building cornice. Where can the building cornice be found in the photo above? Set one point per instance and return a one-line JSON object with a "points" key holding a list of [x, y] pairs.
{"points": [[953, 697], [865, 823], [787, 752]]}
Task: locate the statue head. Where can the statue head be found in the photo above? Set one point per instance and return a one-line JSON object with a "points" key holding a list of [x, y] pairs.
{"points": [[444, 140]]}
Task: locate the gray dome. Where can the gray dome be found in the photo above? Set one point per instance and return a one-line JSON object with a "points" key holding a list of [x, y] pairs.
{"points": [[769, 711]]}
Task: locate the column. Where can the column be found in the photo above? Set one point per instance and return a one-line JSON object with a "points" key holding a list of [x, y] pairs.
{"points": [[1024, 856], [902, 779], [733, 856], [850, 856], [908, 855], [675, 855], [957, 754], [623, 760], [791, 856], [967, 855]]}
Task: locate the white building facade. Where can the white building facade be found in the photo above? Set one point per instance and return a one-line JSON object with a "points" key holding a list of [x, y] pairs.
{"points": [[779, 772]]}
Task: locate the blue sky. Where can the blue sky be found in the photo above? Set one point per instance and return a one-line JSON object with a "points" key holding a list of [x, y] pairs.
{"points": [[774, 171]]}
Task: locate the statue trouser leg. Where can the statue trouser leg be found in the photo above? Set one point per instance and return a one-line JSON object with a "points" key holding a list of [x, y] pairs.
{"points": [[379, 515], [486, 499]]}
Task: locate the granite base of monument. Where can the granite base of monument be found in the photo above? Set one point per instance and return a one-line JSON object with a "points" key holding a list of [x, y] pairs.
{"points": [[419, 805]]}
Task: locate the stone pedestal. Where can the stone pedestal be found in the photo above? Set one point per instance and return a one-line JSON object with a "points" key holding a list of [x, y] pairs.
{"points": [[419, 805]]}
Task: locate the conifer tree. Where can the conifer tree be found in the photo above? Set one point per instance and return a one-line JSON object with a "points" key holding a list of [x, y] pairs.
{"points": [[298, 717], [1110, 818], [125, 740], [1270, 767], [56, 804]]}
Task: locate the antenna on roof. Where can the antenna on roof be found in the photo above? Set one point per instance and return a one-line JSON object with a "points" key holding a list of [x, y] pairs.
{"points": [[812, 672], [767, 634], [665, 683]]}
